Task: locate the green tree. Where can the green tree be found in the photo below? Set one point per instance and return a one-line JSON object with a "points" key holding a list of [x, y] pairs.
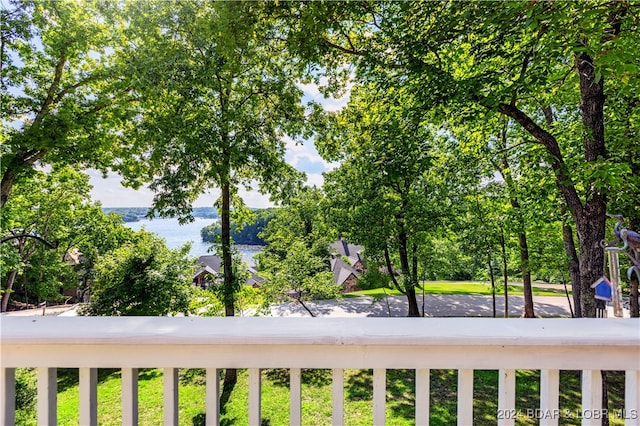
{"points": [[217, 94], [56, 207], [248, 234], [302, 219], [61, 94], [302, 277], [296, 260], [142, 277], [527, 61], [383, 195]]}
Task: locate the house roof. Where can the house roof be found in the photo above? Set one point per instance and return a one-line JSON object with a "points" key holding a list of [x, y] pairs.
{"points": [[344, 249], [212, 264], [254, 278], [203, 270], [212, 261], [342, 271]]}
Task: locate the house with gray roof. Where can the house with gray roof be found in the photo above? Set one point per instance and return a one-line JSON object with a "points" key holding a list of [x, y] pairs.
{"points": [[347, 264], [212, 265], [350, 252], [344, 275]]}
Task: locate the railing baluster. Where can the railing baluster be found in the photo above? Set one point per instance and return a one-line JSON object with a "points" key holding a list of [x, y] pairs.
{"points": [[295, 396], [170, 384], [88, 396], [379, 396], [591, 397], [129, 396], [332, 343], [8, 390], [47, 396], [213, 397], [631, 397], [465, 397], [506, 397], [254, 397], [549, 397], [337, 398], [422, 396]]}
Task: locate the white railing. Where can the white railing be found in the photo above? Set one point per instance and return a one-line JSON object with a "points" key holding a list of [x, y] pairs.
{"points": [[464, 344]]}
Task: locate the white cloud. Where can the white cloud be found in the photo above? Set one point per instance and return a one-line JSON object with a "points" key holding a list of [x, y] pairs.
{"points": [[315, 179], [303, 156], [110, 192], [312, 93], [254, 199]]}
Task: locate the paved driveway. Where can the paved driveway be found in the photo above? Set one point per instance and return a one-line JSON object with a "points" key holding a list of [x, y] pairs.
{"points": [[396, 306], [434, 306]]}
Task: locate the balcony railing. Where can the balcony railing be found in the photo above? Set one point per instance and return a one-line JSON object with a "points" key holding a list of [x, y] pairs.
{"points": [[463, 344]]}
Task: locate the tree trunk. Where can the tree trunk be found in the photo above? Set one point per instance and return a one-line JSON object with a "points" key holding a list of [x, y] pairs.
{"points": [[414, 311], [409, 278], [230, 375], [24, 256], [17, 165], [566, 292], [7, 290], [227, 261], [416, 281], [591, 220], [504, 274], [573, 266], [526, 275], [590, 234], [5, 187], [493, 284], [230, 379]]}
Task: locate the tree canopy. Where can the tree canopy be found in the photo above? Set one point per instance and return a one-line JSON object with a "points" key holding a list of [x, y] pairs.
{"points": [[72, 233], [62, 94], [217, 94], [549, 68], [516, 121]]}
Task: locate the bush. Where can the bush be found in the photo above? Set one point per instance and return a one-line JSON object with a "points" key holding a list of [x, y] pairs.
{"points": [[143, 277], [373, 278]]}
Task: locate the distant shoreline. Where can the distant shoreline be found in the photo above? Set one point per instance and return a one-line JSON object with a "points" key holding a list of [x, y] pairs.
{"points": [[135, 214]]}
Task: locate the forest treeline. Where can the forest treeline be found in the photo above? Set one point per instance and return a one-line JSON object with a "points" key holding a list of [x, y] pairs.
{"points": [[247, 234], [134, 214]]}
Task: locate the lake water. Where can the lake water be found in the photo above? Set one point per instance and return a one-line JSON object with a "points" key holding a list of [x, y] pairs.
{"points": [[177, 235]]}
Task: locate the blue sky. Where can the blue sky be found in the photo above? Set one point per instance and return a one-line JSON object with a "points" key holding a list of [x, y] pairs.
{"points": [[303, 157]]}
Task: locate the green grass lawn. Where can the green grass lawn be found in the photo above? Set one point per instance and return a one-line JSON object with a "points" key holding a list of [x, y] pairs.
{"points": [[316, 397], [459, 287]]}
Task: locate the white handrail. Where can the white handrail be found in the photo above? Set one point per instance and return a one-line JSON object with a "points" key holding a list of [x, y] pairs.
{"points": [[425, 342], [465, 344], [323, 331]]}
